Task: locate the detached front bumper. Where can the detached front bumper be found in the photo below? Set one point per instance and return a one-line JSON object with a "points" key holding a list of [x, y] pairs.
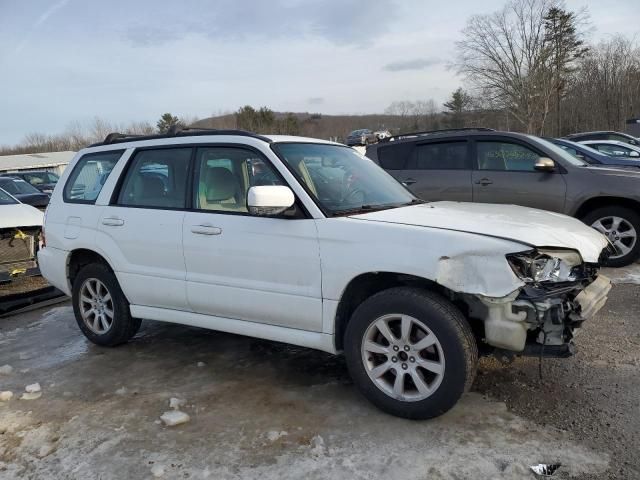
{"points": [[533, 317]]}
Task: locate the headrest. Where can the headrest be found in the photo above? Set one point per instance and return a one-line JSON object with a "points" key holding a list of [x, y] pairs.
{"points": [[152, 187], [220, 184]]}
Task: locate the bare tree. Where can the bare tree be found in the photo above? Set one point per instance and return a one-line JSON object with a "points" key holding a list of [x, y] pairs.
{"points": [[505, 56]]}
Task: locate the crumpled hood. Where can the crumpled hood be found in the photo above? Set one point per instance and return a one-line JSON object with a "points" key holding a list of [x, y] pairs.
{"points": [[529, 226], [20, 215]]}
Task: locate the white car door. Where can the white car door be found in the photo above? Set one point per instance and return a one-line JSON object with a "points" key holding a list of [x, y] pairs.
{"points": [[260, 269], [142, 228]]}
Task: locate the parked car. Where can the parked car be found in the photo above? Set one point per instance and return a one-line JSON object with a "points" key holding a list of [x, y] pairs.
{"points": [[40, 179], [382, 134], [604, 135], [593, 156], [20, 226], [614, 148], [511, 168], [15, 214], [24, 192], [307, 242], [361, 137]]}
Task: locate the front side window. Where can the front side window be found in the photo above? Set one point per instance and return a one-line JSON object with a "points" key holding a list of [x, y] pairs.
{"points": [[341, 180], [441, 156], [157, 178], [88, 176], [224, 176], [505, 156], [6, 199]]}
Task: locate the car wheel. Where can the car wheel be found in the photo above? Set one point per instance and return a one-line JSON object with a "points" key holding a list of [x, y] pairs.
{"points": [[410, 352], [100, 307], [621, 226]]}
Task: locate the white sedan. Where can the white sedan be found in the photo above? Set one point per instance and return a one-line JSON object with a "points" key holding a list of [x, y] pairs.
{"points": [[14, 214]]}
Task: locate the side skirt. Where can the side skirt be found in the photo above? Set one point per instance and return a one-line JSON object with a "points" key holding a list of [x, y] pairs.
{"points": [[303, 338]]}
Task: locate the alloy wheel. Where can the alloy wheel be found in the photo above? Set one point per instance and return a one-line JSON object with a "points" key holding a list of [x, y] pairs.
{"points": [[403, 357], [96, 306], [620, 233]]}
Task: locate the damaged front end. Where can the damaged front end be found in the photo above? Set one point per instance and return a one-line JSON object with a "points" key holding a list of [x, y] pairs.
{"points": [[560, 292]]}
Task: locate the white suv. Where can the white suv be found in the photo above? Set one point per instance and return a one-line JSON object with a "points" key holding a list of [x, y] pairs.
{"points": [[307, 242]]}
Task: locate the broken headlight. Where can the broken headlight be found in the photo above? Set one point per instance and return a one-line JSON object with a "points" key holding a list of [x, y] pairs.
{"points": [[545, 265]]}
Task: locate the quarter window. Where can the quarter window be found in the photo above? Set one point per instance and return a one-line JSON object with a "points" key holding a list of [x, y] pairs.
{"points": [[506, 156], [157, 178], [224, 176], [89, 175], [441, 156]]}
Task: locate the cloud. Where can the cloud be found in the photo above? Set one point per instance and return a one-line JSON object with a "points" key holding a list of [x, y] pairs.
{"points": [[348, 22], [315, 100], [415, 64]]}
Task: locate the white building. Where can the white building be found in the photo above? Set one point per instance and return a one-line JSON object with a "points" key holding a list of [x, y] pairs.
{"points": [[54, 162]]}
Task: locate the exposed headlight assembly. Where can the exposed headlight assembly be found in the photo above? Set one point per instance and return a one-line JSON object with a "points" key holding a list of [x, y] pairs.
{"points": [[545, 265]]}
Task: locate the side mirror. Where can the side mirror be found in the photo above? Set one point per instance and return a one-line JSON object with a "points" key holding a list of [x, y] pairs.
{"points": [[634, 154], [269, 200], [544, 164]]}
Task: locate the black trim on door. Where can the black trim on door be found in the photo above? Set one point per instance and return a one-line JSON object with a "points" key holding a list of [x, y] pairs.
{"points": [[191, 172]]}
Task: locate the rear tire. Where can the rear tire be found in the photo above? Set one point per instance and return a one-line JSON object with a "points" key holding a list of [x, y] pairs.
{"points": [[426, 366], [621, 226], [100, 307]]}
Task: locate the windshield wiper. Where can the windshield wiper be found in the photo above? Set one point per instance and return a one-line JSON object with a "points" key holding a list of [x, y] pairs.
{"points": [[360, 209], [374, 208]]}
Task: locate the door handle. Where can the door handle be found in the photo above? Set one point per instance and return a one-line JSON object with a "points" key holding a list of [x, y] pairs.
{"points": [[113, 221], [206, 230], [484, 182], [409, 181]]}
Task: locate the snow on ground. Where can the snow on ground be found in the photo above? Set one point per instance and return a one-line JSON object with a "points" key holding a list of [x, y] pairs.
{"points": [[258, 410], [628, 274]]}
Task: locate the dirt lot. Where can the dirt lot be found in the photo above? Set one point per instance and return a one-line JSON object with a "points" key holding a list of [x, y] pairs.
{"points": [[265, 410]]}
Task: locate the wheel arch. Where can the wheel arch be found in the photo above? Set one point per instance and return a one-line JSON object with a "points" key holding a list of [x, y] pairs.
{"points": [[80, 257], [599, 202], [365, 285]]}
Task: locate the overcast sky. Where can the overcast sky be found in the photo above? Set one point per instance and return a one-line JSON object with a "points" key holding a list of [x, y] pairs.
{"points": [[70, 60]]}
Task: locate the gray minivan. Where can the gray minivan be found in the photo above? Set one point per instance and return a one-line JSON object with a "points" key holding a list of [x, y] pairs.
{"points": [[482, 165]]}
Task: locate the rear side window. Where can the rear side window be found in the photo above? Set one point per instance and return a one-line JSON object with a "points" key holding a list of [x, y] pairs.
{"points": [[395, 157], [441, 156], [89, 175], [157, 178]]}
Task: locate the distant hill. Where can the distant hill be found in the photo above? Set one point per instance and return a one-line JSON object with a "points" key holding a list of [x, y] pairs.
{"points": [[332, 126]]}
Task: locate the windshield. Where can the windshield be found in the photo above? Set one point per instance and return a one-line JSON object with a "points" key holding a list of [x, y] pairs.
{"points": [[341, 180], [17, 187], [37, 178], [562, 153], [585, 147], [6, 199]]}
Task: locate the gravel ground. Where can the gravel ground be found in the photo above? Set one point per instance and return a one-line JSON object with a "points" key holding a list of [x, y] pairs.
{"points": [[595, 395], [265, 410]]}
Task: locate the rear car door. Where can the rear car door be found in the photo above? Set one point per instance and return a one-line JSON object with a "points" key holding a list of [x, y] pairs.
{"points": [[435, 170], [142, 227], [504, 173], [245, 267]]}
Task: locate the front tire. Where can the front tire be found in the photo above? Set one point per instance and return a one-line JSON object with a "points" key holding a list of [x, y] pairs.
{"points": [[621, 226], [410, 352], [100, 307]]}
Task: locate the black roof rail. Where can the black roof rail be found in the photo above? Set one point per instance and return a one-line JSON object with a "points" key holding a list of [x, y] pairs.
{"points": [[116, 137], [432, 132]]}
